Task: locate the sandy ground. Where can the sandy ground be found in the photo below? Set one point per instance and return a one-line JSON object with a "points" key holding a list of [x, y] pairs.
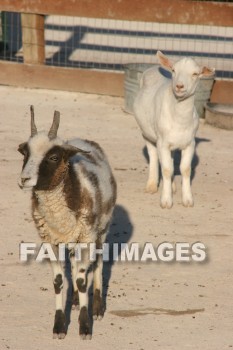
{"points": [[149, 305]]}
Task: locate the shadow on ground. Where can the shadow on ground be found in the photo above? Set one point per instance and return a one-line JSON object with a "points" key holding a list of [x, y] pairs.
{"points": [[177, 159]]}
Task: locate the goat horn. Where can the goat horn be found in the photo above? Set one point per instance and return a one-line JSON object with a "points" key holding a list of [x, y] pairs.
{"points": [[33, 125], [53, 130]]}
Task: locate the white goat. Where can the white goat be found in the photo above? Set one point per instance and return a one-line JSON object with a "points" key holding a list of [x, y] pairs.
{"points": [[73, 196], [165, 112]]}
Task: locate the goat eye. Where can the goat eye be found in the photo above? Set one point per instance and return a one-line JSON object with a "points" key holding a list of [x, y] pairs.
{"points": [[53, 158], [195, 74], [173, 70]]}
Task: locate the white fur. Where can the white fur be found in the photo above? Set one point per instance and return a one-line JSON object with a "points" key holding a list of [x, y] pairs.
{"points": [[165, 112], [101, 170]]}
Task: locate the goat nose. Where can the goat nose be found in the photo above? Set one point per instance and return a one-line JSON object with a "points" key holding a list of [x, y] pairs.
{"points": [[179, 86], [24, 179]]}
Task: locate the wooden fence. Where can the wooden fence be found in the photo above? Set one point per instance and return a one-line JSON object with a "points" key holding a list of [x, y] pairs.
{"points": [[34, 73]]}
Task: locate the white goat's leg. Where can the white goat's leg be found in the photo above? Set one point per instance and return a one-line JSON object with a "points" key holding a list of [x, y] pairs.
{"points": [[59, 329], [82, 284], [185, 169], [167, 173], [98, 307], [75, 296], [153, 180]]}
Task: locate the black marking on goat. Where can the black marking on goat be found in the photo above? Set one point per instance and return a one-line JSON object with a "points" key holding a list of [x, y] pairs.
{"points": [[84, 321], [34, 201], [97, 151], [51, 173], [91, 158], [72, 190], [96, 146], [59, 323], [98, 308], [82, 270], [82, 286], [114, 188], [108, 206], [98, 194], [58, 283], [25, 151], [92, 177]]}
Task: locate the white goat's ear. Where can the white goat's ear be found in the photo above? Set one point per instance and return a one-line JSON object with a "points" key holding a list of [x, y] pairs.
{"points": [[207, 72], [164, 61]]}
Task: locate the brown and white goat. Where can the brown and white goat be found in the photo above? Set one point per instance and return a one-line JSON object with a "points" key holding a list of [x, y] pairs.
{"points": [[73, 197]]}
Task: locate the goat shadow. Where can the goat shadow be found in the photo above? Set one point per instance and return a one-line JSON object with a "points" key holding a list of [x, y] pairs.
{"points": [[120, 231], [177, 159]]}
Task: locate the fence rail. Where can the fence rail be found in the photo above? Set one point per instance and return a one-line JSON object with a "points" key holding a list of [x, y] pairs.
{"points": [[35, 73], [167, 11]]}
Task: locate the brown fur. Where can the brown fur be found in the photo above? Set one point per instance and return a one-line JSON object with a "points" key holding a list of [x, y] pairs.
{"points": [[91, 158], [51, 173], [24, 150], [95, 145], [98, 308], [59, 175], [99, 153], [72, 190]]}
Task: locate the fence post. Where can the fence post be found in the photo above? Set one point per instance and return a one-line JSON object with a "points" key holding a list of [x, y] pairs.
{"points": [[33, 38]]}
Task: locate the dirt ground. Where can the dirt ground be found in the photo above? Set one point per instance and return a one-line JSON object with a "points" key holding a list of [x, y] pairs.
{"points": [[149, 305]]}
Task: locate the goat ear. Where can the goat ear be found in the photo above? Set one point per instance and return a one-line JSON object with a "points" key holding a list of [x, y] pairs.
{"points": [[70, 151], [207, 72], [164, 61], [22, 148]]}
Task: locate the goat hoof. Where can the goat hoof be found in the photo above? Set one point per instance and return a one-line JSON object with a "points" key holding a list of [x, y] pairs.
{"points": [[96, 317], [98, 308], [84, 324], [75, 307], [59, 329], [85, 336], [59, 335], [188, 203], [166, 203], [75, 300], [151, 188]]}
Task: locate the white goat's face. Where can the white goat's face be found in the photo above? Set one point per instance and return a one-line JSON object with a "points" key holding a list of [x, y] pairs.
{"points": [[185, 74], [46, 158], [185, 77]]}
